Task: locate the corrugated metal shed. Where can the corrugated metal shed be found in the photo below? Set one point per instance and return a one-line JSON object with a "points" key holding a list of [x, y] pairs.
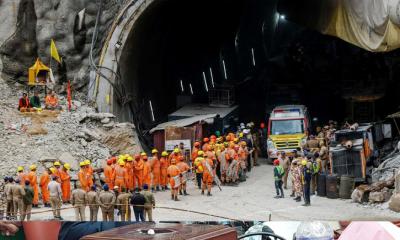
{"points": [[209, 118]]}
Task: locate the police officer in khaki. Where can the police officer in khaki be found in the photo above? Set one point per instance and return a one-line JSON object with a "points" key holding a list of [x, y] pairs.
{"points": [[54, 188], [107, 201], [18, 193], [79, 201], [93, 201], [9, 197], [123, 200]]}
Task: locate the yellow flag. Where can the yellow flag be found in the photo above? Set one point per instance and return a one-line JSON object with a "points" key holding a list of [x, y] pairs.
{"points": [[54, 52]]}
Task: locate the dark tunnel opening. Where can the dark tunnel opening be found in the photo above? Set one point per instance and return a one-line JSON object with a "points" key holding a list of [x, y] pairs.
{"points": [[268, 60]]}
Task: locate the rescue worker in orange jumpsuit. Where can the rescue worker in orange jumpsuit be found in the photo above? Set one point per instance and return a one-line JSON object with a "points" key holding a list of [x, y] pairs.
{"points": [[89, 169], [183, 168], [146, 171], [208, 175], [33, 182], [109, 173], [57, 165], [83, 177], [21, 176], [196, 149], [130, 181], [138, 172], [156, 170], [205, 144], [172, 173], [163, 168], [44, 181], [65, 183], [121, 175]]}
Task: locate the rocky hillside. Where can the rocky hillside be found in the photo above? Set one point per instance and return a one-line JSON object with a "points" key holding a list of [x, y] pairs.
{"points": [[27, 26], [69, 136]]}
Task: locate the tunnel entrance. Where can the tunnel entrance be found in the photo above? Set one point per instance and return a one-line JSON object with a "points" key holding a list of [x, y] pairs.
{"points": [[179, 49]]}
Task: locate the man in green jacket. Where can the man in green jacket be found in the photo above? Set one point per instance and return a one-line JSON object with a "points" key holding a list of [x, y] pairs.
{"points": [[27, 199], [278, 174], [35, 100]]}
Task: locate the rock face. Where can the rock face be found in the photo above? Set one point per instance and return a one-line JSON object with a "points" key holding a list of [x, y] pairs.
{"points": [[394, 203], [71, 25]]}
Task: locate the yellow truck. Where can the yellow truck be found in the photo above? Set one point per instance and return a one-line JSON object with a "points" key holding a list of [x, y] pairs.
{"points": [[287, 129]]}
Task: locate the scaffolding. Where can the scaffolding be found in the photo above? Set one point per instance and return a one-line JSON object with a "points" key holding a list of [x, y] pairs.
{"points": [[221, 97]]}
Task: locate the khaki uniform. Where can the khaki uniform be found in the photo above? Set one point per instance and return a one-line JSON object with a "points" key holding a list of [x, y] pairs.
{"points": [[123, 206], [93, 201], [107, 201], [17, 192], [55, 197], [286, 166], [9, 198], [79, 201], [312, 144], [149, 204]]}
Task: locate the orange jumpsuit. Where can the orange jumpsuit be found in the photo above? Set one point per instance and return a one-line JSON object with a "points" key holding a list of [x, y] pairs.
{"points": [[194, 154], [22, 178], [44, 181], [138, 173], [65, 185], [207, 175], [163, 168], [120, 177], [33, 181], [109, 176], [146, 173], [156, 170], [85, 180], [130, 181], [205, 147], [172, 172]]}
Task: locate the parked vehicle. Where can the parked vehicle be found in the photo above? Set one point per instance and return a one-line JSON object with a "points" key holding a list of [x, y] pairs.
{"points": [[287, 129]]}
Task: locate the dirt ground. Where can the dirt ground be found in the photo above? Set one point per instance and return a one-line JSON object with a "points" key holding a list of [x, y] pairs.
{"points": [[251, 200]]}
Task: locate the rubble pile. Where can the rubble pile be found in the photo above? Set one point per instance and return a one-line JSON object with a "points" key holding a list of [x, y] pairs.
{"points": [[70, 136], [387, 168]]}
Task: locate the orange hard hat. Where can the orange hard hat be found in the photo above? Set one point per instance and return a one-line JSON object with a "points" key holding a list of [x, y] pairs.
{"points": [[213, 137], [206, 140], [110, 161]]}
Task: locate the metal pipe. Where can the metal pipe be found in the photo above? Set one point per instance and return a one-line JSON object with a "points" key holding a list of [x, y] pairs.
{"points": [[212, 78], [205, 81], [152, 112]]}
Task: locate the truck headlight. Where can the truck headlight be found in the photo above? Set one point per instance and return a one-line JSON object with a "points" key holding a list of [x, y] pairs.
{"points": [[303, 142], [270, 144]]}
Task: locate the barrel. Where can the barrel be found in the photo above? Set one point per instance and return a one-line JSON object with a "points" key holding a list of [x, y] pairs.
{"points": [[346, 186], [321, 186], [331, 186]]}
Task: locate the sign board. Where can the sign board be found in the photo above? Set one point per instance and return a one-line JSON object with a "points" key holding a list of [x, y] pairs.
{"points": [[171, 144]]}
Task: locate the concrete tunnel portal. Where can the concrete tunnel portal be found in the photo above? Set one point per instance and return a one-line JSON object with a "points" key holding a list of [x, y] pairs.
{"points": [[249, 46]]}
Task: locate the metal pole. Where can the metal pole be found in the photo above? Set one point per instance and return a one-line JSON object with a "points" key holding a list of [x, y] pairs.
{"points": [[395, 123]]}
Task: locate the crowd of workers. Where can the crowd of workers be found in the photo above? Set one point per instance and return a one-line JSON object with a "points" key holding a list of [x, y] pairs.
{"points": [[304, 165], [33, 104], [132, 179]]}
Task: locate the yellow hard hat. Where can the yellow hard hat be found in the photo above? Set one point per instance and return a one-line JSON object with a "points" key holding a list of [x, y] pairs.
{"points": [[87, 162], [120, 156], [57, 163], [176, 150], [304, 162], [32, 167], [236, 140], [53, 170], [164, 154], [129, 159], [82, 164], [121, 163], [143, 154], [67, 166], [241, 135], [200, 153], [154, 151], [20, 168]]}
